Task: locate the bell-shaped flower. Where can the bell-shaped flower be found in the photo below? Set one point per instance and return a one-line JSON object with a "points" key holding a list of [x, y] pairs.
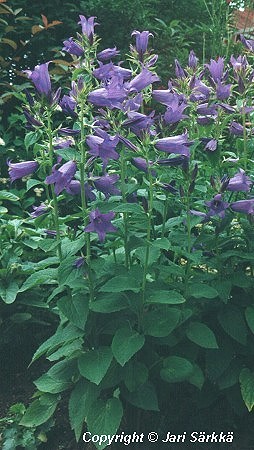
{"points": [[211, 145], [217, 206], [103, 146], [68, 105], [88, 27], [107, 54], [106, 184], [239, 182], [179, 71], [73, 47], [248, 43], [236, 129], [110, 96], [139, 123], [193, 60], [216, 69], [22, 169], [41, 79], [239, 64], [223, 91], [243, 206], [39, 210], [175, 144], [175, 110], [74, 188], [200, 92], [141, 164], [142, 39], [106, 71], [142, 80], [100, 224], [62, 177]]}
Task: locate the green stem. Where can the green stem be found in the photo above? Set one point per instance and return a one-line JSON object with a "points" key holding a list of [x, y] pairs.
{"points": [[125, 215], [245, 150], [188, 223], [165, 212], [55, 204], [83, 198]]}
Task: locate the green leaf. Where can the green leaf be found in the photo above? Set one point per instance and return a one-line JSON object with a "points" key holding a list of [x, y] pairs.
{"points": [[166, 297], [31, 138], [197, 377], [82, 397], [45, 276], [3, 210], [121, 283], [128, 208], [176, 369], [70, 248], [232, 322], [109, 302], [63, 335], [9, 293], [145, 397], [104, 418], [202, 335], [75, 308], [48, 384], [67, 272], [247, 388], [135, 374], [249, 315], [40, 410], [94, 364], [162, 322], [201, 290], [154, 254], [5, 195], [125, 344]]}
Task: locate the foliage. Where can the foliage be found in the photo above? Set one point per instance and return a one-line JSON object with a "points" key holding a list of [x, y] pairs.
{"points": [[141, 233]]}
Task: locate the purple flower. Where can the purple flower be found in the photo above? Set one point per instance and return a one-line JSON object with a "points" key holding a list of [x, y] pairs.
{"points": [[31, 119], [41, 80], [110, 96], [141, 164], [127, 143], [100, 223], [175, 144], [200, 92], [173, 162], [88, 27], [61, 142], [239, 182], [139, 123], [175, 109], [68, 132], [103, 146], [105, 184], [248, 43], [217, 206], [74, 188], [179, 71], [73, 47], [68, 105], [142, 80], [216, 69], [106, 71], [163, 96], [79, 262], [107, 54], [223, 91], [141, 42], [22, 169], [193, 60], [239, 64], [236, 129], [62, 177], [133, 104], [211, 145], [243, 206], [39, 210]]}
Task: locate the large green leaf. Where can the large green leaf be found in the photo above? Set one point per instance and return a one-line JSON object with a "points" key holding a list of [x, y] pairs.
{"points": [[41, 277], [121, 283], [202, 335], [48, 384], [125, 344], [167, 297], [40, 410], [82, 397], [176, 369], [75, 308], [145, 397], [94, 364], [9, 293], [104, 418], [135, 374], [5, 195], [109, 302], [232, 322], [162, 322], [201, 290], [247, 388], [249, 315]]}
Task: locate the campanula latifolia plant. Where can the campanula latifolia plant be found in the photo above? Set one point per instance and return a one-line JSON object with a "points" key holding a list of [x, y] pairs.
{"points": [[146, 221]]}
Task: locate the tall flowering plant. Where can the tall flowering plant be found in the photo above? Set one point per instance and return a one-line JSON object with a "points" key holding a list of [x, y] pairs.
{"points": [[147, 219]]}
